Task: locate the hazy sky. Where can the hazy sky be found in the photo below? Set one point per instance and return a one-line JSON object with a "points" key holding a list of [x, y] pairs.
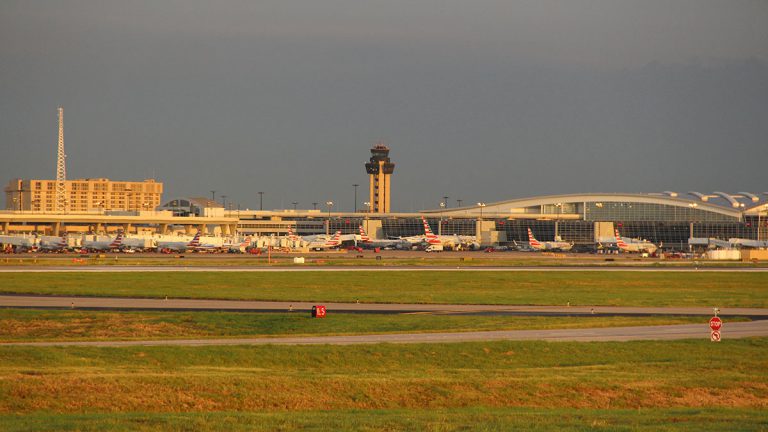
{"points": [[480, 100]]}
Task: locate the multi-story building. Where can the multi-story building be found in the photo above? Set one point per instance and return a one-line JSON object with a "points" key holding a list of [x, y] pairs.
{"points": [[83, 195]]}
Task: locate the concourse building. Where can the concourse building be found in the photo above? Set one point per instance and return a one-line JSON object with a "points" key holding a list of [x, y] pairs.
{"points": [[668, 219]]}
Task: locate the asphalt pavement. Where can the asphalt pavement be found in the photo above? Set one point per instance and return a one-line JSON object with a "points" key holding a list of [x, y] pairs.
{"points": [[669, 332]]}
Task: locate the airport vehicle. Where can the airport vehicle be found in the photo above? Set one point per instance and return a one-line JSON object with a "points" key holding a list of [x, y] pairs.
{"points": [[557, 245], [108, 245], [634, 245], [369, 243], [333, 242], [56, 244], [193, 244]]}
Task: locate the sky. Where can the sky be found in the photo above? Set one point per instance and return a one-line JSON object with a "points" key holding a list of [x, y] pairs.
{"points": [[480, 101]]}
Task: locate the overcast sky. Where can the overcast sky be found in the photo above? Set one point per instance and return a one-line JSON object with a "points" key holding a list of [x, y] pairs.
{"points": [[480, 100]]}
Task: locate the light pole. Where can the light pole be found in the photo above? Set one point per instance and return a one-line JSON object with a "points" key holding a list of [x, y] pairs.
{"points": [[329, 204], [213, 195], [261, 200], [559, 209], [459, 201], [440, 227], [479, 231], [690, 232], [314, 206], [224, 201], [295, 203], [368, 211], [445, 201], [355, 185]]}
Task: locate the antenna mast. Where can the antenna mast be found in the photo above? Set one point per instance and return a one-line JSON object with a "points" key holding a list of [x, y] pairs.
{"points": [[61, 168]]}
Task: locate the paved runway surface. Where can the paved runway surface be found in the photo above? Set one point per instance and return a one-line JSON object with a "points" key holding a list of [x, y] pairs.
{"points": [[671, 332], [61, 302], [126, 269]]}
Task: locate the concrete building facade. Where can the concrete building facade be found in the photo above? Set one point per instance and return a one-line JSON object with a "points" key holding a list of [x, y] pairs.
{"points": [[83, 195]]}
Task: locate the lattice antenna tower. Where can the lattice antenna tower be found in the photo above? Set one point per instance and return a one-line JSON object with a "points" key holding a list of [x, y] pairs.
{"points": [[61, 168]]}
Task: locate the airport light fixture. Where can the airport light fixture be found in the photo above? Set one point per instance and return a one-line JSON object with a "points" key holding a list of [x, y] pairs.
{"points": [[445, 201], [559, 210], [261, 200], [481, 205], [459, 201], [692, 206], [295, 203], [368, 205], [440, 227], [314, 206], [329, 204]]}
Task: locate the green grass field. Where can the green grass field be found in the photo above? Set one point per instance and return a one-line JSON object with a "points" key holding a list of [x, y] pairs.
{"points": [[18, 325], [677, 385], [444, 420], [535, 288]]}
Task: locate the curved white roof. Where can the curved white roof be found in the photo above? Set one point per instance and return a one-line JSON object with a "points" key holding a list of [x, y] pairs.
{"points": [[513, 206]]}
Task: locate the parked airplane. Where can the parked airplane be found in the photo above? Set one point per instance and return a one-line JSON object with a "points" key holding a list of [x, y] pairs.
{"points": [[55, 244], [180, 246], [331, 243], [105, 245], [367, 242], [237, 247], [556, 245], [26, 243], [634, 245]]}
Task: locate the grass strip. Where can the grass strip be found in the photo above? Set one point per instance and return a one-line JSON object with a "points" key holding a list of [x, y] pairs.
{"points": [[42, 325], [529, 374], [457, 419], [535, 288]]}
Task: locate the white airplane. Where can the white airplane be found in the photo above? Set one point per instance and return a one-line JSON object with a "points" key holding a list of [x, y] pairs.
{"points": [[451, 241], [56, 244], [331, 243], [367, 242], [105, 245], [180, 246], [19, 242], [557, 245], [237, 247], [634, 245]]}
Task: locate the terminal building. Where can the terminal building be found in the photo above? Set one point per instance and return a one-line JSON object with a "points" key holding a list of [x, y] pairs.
{"points": [[667, 219]]}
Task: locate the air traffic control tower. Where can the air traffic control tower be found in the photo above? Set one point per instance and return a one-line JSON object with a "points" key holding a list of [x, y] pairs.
{"points": [[380, 170]]}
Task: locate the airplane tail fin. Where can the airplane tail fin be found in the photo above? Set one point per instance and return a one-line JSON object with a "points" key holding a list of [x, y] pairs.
{"points": [[195, 242], [291, 235], [363, 236], [619, 241], [531, 239], [335, 240], [117, 241]]}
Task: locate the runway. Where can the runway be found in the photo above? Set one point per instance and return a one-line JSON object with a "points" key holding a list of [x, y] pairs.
{"points": [[137, 268], [669, 332], [119, 303]]}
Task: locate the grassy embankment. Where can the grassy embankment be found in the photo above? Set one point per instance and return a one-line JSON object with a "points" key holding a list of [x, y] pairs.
{"points": [[34, 325], [671, 385], [536, 288]]}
